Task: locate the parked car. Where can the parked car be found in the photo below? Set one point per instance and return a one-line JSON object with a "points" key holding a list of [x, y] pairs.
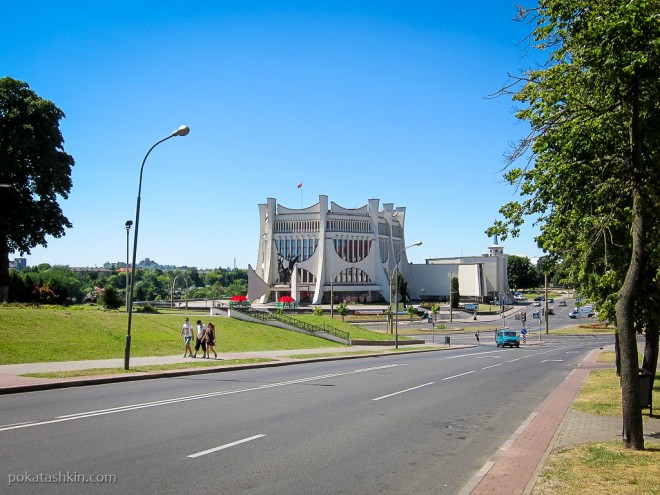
{"points": [[507, 337], [551, 299], [539, 298]]}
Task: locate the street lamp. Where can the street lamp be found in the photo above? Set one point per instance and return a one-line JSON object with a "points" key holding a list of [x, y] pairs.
{"points": [[181, 131], [396, 281], [451, 302], [129, 223]]}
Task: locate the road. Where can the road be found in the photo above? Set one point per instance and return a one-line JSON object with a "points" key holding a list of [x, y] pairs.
{"points": [[413, 423]]}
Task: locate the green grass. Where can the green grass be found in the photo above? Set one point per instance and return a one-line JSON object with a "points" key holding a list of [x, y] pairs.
{"points": [[355, 331], [47, 334]]}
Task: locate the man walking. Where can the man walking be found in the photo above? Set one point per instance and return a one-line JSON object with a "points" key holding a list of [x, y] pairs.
{"points": [[476, 337], [187, 334], [200, 341]]}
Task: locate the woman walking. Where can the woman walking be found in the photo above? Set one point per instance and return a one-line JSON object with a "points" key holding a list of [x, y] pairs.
{"points": [[210, 340]]}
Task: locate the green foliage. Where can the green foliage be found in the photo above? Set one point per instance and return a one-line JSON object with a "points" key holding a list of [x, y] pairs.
{"points": [[318, 311], [37, 170], [342, 309], [148, 309], [411, 311], [111, 298], [455, 294], [590, 169], [522, 273]]}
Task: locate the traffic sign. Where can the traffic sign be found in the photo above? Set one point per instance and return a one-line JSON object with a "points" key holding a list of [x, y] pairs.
{"points": [[523, 331]]}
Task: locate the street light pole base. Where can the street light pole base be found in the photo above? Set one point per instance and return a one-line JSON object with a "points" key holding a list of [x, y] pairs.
{"points": [[127, 352]]}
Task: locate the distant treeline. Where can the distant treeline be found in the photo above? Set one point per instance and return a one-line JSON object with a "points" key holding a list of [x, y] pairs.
{"points": [[62, 285]]}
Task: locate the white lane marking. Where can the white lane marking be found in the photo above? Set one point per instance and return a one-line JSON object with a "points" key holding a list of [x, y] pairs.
{"points": [[225, 446], [492, 366], [489, 357], [403, 391], [552, 361], [456, 376], [468, 355], [133, 407]]}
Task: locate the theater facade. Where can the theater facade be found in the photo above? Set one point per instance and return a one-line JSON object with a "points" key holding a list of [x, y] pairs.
{"points": [[311, 253]]}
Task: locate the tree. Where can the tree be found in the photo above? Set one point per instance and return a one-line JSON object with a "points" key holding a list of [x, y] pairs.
{"points": [[402, 288], [592, 163], [111, 298], [411, 312], [342, 309], [455, 294], [521, 272], [37, 170]]}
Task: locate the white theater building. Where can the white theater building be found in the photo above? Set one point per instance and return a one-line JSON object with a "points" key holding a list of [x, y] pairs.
{"points": [[310, 252]]}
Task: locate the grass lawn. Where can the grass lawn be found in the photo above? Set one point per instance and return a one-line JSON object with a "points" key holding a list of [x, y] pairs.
{"points": [[355, 331], [47, 334]]}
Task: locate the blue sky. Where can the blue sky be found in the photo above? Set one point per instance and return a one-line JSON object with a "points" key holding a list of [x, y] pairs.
{"points": [[355, 100]]}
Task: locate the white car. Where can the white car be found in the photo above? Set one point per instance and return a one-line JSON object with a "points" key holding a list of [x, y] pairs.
{"points": [[583, 312]]}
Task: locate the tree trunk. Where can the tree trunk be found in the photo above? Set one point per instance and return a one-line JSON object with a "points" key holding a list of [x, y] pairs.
{"points": [[652, 334], [633, 428], [4, 273]]}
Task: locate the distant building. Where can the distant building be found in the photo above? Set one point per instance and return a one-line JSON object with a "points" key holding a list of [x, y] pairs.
{"points": [[18, 263], [309, 253]]}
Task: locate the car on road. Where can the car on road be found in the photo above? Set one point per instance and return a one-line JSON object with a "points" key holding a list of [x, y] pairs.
{"points": [[583, 312], [507, 337], [551, 311], [537, 303], [562, 303], [539, 298]]}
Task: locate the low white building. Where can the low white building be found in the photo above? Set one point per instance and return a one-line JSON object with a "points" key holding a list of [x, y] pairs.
{"points": [[310, 252]]}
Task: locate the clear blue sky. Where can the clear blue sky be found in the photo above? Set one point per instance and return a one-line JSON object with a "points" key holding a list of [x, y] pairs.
{"points": [[355, 100]]}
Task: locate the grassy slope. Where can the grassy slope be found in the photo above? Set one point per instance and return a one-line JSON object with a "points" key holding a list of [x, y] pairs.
{"points": [[45, 334]]}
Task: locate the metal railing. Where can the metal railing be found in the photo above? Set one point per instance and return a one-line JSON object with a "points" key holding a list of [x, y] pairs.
{"points": [[302, 325]]}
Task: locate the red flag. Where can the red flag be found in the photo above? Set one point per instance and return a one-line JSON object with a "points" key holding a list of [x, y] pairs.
{"points": [[299, 185]]}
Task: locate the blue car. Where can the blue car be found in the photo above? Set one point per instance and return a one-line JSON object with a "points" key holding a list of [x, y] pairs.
{"points": [[507, 337]]}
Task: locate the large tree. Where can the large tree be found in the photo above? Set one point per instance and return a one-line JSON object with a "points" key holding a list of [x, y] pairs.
{"points": [[34, 172], [521, 273], [591, 162]]}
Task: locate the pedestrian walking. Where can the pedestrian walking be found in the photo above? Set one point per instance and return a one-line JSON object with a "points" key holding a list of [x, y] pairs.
{"points": [[210, 340], [187, 335], [200, 342], [476, 337]]}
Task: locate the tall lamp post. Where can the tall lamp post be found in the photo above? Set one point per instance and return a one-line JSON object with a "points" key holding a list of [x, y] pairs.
{"points": [[396, 282], [181, 131], [129, 223]]}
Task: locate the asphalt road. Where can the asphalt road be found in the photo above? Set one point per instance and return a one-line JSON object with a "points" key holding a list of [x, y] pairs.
{"points": [[414, 423]]}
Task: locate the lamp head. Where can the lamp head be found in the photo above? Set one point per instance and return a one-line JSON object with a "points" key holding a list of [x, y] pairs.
{"points": [[418, 243], [128, 224], [181, 131]]}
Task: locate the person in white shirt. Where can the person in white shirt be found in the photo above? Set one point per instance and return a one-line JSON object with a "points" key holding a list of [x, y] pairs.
{"points": [[187, 335], [200, 341]]}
